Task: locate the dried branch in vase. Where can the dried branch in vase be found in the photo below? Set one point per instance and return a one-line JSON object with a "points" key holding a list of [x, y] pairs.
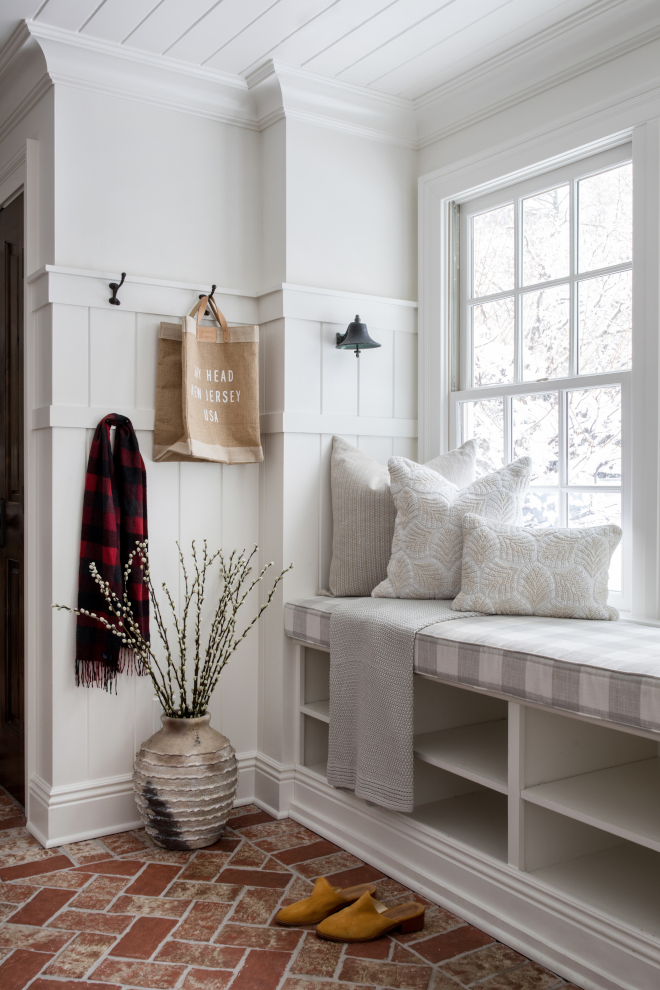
{"points": [[185, 680]]}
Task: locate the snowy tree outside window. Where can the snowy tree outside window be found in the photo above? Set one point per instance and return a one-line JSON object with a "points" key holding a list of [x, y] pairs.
{"points": [[545, 337]]}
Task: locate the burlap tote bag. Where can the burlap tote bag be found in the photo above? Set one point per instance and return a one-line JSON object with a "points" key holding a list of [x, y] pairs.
{"points": [[207, 391]]}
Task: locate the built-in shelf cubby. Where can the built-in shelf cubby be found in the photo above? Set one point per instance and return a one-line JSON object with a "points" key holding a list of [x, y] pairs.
{"points": [[619, 879], [599, 776], [315, 744], [477, 818], [314, 709], [571, 803], [463, 732]]}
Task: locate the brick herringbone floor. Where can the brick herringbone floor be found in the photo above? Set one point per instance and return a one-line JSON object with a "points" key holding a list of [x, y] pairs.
{"points": [[118, 913]]}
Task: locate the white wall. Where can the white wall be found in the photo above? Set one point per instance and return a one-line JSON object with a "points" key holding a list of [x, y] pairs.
{"points": [[155, 193], [91, 359], [351, 212], [273, 205]]}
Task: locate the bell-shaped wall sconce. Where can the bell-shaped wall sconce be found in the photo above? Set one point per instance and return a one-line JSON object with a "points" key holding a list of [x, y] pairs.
{"points": [[356, 337]]}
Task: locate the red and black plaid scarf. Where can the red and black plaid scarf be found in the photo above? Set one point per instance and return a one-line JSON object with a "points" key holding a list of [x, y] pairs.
{"points": [[114, 519]]}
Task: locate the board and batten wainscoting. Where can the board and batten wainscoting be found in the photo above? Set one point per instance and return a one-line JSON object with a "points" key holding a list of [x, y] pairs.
{"points": [[94, 359]]}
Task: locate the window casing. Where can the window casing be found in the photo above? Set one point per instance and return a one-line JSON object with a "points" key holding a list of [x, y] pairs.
{"points": [[542, 341]]}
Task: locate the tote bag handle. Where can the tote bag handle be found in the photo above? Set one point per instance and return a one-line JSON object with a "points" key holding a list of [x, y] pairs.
{"points": [[204, 333]]}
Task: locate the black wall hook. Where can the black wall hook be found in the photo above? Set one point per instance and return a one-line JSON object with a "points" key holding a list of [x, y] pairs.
{"points": [[116, 286], [208, 311]]}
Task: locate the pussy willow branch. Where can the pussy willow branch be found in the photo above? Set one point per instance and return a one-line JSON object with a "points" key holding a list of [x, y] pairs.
{"points": [[171, 683]]}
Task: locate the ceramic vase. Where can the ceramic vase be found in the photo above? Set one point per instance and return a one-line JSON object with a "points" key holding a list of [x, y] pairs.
{"points": [[185, 779]]}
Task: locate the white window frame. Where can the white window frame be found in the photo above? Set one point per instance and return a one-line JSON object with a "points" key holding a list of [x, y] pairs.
{"points": [[464, 391], [482, 174]]}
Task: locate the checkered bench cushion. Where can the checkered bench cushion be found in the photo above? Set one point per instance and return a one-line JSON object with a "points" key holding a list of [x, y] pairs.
{"points": [[610, 670]]}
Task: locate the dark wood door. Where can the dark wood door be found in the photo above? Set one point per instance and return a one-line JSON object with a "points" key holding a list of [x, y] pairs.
{"points": [[12, 759]]}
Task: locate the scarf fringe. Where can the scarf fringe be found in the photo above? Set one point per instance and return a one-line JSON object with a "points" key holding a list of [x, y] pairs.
{"points": [[96, 673]]}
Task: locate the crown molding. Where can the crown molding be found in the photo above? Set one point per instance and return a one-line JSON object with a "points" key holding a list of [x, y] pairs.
{"points": [[47, 32], [13, 45], [111, 69], [509, 73], [13, 165], [23, 108], [281, 90], [274, 91], [548, 35]]}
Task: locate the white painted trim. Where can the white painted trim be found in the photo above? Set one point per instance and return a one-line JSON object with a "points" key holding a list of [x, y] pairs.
{"points": [[136, 279], [23, 108], [515, 161], [273, 91], [138, 294], [92, 64], [43, 31], [276, 90], [199, 286], [568, 937], [358, 296], [34, 645], [274, 784], [645, 431], [167, 297], [336, 306], [433, 103], [275, 67], [13, 45], [12, 177], [302, 94], [567, 25], [372, 426], [72, 813], [87, 418], [93, 808]]}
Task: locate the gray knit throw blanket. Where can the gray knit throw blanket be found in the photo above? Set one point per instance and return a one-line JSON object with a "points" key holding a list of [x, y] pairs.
{"points": [[372, 642]]}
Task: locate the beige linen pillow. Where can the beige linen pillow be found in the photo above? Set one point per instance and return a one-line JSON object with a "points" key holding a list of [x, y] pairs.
{"points": [[363, 512], [427, 547], [508, 570]]}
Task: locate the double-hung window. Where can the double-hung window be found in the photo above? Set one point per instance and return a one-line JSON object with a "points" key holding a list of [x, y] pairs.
{"points": [[543, 340]]}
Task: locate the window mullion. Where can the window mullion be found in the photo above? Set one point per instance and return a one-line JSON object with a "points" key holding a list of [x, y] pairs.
{"points": [[508, 429], [563, 457], [517, 302], [573, 341]]}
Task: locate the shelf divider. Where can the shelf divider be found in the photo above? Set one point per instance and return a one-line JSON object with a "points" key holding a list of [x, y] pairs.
{"points": [[623, 800], [478, 752], [317, 709]]}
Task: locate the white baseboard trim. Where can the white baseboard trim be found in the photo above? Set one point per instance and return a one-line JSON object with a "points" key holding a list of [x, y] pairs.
{"points": [[566, 936], [273, 786], [93, 808]]}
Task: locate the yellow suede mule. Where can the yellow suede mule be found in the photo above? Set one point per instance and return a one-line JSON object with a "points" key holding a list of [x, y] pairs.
{"points": [[324, 900], [368, 919]]}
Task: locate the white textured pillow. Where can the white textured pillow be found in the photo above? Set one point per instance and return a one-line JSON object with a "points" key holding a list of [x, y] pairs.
{"points": [[363, 512], [508, 570], [427, 547]]}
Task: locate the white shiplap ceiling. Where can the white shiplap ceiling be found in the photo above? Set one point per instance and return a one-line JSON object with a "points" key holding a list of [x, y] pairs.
{"points": [[400, 47]]}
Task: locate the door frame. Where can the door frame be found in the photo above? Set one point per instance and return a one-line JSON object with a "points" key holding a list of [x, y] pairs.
{"points": [[21, 175]]}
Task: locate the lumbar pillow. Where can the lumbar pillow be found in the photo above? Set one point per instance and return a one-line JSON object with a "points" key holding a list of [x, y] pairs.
{"points": [[559, 572], [427, 547], [363, 512]]}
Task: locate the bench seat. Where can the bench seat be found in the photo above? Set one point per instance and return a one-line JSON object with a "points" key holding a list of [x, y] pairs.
{"points": [[606, 670]]}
